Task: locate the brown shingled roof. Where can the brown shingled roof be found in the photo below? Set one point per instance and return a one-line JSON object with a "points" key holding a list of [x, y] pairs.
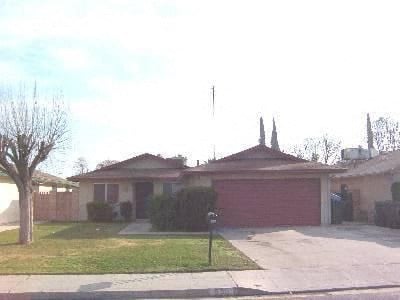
{"points": [[260, 152], [174, 163], [117, 170], [382, 164], [263, 159]]}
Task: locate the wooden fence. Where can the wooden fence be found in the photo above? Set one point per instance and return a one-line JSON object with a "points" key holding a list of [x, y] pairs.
{"points": [[56, 206]]}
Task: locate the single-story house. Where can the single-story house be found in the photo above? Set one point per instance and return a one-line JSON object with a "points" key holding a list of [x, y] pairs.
{"points": [[265, 187], [369, 181], [9, 203], [135, 179], [256, 187]]}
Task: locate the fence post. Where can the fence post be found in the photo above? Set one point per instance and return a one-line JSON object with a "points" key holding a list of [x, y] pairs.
{"points": [[52, 206], [75, 204]]}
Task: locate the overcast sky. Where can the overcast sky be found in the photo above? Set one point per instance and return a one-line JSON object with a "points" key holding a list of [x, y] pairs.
{"points": [[137, 75]]}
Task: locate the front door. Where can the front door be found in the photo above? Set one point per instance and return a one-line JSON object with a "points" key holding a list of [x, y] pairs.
{"points": [[143, 192]]}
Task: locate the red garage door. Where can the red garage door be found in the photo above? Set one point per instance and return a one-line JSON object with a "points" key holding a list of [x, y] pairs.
{"points": [[272, 202]]}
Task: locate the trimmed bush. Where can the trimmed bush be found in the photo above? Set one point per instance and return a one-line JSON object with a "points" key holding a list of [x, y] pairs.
{"points": [[99, 212], [185, 211], [163, 212], [125, 209], [395, 189], [193, 205], [387, 214]]}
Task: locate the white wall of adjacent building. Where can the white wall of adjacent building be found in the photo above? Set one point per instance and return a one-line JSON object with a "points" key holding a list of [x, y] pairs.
{"points": [[9, 204]]}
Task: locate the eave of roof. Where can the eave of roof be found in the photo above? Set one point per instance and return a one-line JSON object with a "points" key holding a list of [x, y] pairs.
{"points": [[267, 170], [383, 164], [122, 174], [45, 179]]}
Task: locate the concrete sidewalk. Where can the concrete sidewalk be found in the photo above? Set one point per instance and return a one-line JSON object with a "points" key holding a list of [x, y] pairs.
{"points": [[192, 285], [9, 226]]}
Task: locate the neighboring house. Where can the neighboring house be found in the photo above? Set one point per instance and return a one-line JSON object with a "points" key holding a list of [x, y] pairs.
{"points": [[9, 203], [369, 181], [135, 180], [256, 187]]}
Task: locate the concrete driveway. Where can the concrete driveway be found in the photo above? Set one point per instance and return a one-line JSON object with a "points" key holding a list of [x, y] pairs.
{"points": [[368, 249]]}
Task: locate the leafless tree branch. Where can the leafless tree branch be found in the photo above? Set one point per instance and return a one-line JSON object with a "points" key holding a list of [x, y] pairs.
{"points": [[30, 129]]}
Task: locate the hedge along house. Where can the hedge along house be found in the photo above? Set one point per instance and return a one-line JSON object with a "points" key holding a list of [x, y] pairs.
{"points": [[134, 180], [264, 187]]}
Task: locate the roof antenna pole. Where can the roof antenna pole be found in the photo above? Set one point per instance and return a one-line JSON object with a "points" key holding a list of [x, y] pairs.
{"points": [[213, 116]]}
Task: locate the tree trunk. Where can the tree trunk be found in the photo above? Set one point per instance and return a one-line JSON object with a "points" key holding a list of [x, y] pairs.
{"points": [[31, 216], [26, 214]]}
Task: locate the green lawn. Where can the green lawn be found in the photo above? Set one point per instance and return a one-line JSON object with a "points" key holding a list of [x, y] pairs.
{"points": [[88, 248]]}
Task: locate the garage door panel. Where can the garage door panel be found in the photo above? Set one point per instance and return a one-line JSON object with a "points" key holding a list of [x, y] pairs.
{"points": [[272, 202]]}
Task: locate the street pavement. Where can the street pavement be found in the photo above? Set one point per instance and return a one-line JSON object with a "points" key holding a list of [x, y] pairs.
{"points": [[190, 285], [378, 294]]}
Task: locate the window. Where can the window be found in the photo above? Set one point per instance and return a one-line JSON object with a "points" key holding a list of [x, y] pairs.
{"points": [[106, 192], [99, 192], [112, 193], [170, 188], [167, 188]]}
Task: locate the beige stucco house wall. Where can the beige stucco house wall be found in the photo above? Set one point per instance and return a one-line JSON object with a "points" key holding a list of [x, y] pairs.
{"points": [[371, 188], [126, 192]]}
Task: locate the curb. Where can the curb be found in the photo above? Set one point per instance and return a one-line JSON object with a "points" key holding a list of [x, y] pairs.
{"points": [[174, 294], [156, 294]]}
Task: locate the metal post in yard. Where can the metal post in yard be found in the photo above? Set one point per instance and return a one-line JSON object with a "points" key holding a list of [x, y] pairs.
{"points": [[210, 238]]}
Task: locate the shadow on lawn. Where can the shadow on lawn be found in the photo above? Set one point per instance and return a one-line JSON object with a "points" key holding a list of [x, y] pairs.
{"points": [[81, 230], [105, 231], [6, 244]]}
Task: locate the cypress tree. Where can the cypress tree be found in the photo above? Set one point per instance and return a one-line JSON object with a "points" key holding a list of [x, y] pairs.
{"points": [[274, 137], [262, 132], [370, 135]]}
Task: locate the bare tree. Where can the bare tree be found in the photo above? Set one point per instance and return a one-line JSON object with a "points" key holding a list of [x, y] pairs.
{"points": [[324, 149], [312, 149], [298, 151], [30, 130], [386, 133], [309, 149], [330, 149], [80, 166], [106, 163]]}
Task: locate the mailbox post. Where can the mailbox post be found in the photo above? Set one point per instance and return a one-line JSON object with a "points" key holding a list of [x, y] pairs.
{"points": [[212, 221]]}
